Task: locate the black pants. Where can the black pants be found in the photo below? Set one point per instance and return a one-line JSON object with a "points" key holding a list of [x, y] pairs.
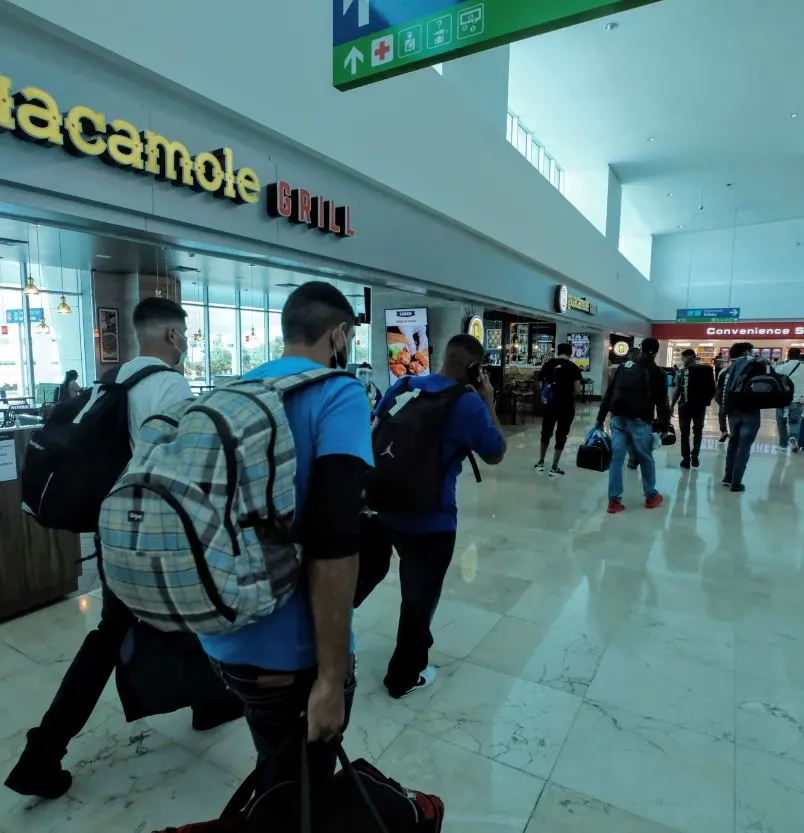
{"points": [[423, 563], [558, 420], [83, 684], [274, 717], [691, 416]]}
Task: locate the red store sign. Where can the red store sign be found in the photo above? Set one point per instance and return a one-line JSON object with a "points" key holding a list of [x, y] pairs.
{"points": [[300, 206], [741, 331]]}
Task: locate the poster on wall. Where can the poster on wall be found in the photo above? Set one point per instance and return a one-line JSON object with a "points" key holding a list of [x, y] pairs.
{"points": [[408, 343], [109, 335], [581, 344]]}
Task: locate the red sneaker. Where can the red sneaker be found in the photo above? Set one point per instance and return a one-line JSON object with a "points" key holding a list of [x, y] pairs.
{"points": [[654, 501], [615, 506]]}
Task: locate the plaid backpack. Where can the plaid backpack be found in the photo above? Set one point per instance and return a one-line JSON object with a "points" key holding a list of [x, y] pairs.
{"points": [[196, 534]]}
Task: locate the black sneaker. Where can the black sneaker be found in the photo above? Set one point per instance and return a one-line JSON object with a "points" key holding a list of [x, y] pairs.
{"points": [[737, 487], [39, 774], [695, 461], [539, 468], [726, 481], [685, 464], [556, 472]]}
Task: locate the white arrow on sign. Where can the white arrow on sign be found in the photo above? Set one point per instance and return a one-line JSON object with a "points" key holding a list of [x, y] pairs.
{"points": [[352, 58], [735, 312], [363, 7]]}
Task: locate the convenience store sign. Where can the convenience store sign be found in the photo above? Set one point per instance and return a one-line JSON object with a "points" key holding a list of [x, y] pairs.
{"points": [[377, 39]]}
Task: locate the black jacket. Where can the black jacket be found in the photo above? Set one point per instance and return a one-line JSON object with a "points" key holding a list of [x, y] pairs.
{"points": [[659, 403]]}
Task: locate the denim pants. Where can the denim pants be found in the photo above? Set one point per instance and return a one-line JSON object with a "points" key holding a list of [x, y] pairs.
{"points": [[743, 430], [275, 718], [789, 423], [639, 435]]}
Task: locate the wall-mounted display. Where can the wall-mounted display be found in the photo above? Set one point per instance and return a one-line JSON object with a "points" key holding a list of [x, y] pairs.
{"points": [[109, 335], [581, 344], [408, 343]]}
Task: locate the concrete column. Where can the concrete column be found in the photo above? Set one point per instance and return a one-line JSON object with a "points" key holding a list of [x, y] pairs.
{"points": [[483, 80]]}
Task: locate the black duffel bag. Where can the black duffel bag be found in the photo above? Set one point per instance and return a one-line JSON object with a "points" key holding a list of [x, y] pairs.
{"points": [[359, 799]]}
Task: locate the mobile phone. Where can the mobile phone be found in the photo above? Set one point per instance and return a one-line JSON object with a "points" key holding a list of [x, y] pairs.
{"points": [[475, 374]]}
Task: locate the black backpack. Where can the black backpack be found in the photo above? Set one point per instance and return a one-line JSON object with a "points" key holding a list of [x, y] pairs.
{"points": [[757, 387], [71, 465], [409, 467], [631, 395]]}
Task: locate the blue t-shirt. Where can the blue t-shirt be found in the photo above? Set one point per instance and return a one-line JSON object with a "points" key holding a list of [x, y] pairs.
{"points": [[469, 428], [325, 419]]}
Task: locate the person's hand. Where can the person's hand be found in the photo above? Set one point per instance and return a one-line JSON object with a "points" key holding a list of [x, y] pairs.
{"points": [[486, 391], [326, 710]]}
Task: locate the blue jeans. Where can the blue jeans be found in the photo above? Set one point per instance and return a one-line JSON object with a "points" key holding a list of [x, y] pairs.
{"points": [[743, 430], [638, 435], [789, 423]]}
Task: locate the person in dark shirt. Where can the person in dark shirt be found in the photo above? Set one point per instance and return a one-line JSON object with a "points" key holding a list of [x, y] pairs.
{"points": [[743, 425], [694, 390], [637, 392], [425, 543], [559, 383]]}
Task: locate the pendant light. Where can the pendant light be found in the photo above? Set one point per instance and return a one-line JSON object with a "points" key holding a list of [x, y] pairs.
{"points": [[30, 287], [158, 293], [198, 336], [63, 308], [43, 329]]}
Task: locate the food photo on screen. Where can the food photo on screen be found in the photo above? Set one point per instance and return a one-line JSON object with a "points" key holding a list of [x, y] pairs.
{"points": [[408, 343]]}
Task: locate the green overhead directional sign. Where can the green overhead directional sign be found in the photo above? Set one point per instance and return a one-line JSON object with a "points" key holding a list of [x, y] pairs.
{"points": [[377, 39]]}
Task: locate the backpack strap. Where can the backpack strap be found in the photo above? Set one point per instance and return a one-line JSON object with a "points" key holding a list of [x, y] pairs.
{"points": [[110, 378], [296, 381]]}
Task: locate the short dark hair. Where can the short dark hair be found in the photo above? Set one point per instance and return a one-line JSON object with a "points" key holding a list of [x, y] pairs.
{"points": [[649, 346], [463, 349], [312, 310], [688, 353], [564, 349], [794, 353], [158, 311], [740, 348]]}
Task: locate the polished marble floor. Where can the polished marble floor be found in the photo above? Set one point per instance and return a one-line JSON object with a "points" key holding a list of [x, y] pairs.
{"points": [[639, 673]]}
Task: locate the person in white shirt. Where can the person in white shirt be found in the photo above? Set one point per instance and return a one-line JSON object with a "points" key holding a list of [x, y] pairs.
{"points": [[788, 420], [162, 336]]}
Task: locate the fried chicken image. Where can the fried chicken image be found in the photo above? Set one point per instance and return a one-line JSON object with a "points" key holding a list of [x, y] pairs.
{"points": [[415, 368], [422, 358], [398, 369], [404, 357]]}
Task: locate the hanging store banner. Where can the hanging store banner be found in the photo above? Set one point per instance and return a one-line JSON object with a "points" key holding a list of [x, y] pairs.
{"points": [[734, 332], [377, 39]]}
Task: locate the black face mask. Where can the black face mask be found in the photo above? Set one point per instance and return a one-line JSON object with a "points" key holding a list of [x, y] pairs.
{"points": [[340, 358]]}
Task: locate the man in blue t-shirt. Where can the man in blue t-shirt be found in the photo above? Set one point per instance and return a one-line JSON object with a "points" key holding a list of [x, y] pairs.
{"points": [[425, 543], [301, 658]]}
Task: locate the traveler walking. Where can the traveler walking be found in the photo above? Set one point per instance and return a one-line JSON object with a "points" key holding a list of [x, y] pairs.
{"points": [[637, 392], [162, 335], [300, 659], [559, 382], [425, 427], [695, 388], [788, 419], [743, 424]]}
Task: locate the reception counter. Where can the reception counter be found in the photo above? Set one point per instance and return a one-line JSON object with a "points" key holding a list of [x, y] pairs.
{"points": [[37, 565]]}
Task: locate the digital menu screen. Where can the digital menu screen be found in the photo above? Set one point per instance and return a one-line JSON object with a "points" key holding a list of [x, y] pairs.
{"points": [[580, 343], [408, 343]]}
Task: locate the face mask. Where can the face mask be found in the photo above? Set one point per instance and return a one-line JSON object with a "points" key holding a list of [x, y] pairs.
{"points": [[340, 358], [182, 354]]}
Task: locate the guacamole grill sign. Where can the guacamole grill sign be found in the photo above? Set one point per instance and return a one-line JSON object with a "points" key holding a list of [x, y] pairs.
{"points": [[32, 114]]}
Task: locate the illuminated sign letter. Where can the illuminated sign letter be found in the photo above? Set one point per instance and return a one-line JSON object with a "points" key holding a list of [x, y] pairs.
{"points": [[124, 147], [38, 117], [80, 123], [160, 158]]}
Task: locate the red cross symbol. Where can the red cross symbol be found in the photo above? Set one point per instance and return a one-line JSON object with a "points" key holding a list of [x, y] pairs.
{"points": [[382, 50]]}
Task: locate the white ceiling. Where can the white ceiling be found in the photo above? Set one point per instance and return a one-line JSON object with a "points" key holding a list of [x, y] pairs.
{"points": [[714, 82]]}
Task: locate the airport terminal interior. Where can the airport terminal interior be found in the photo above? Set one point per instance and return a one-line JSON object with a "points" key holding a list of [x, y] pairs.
{"points": [[594, 176]]}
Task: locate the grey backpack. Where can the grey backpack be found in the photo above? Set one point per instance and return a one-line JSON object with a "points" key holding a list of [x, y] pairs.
{"points": [[196, 534]]}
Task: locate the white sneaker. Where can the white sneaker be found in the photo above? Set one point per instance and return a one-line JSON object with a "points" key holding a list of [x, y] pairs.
{"points": [[426, 679], [794, 446]]}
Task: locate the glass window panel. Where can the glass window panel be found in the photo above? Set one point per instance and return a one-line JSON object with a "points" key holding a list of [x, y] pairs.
{"points": [[222, 336], [13, 347], [362, 344], [10, 274], [253, 299], [195, 368], [509, 127], [223, 295], [54, 279], [57, 346], [521, 140], [276, 342], [255, 343]]}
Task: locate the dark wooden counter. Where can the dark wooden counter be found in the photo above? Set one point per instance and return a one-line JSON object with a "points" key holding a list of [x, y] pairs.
{"points": [[37, 565]]}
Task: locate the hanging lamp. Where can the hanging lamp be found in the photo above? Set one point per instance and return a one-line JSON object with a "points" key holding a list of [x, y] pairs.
{"points": [[43, 329], [63, 308], [30, 287]]}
